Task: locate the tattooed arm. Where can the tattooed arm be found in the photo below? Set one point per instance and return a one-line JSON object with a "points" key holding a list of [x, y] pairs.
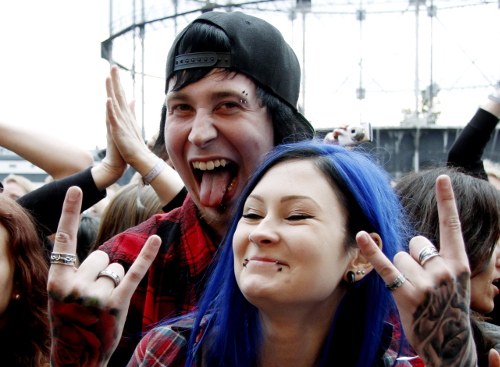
{"points": [[87, 312], [434, 301]]}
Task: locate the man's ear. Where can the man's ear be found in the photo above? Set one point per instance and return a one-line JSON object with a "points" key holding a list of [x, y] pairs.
{"points": [[359, 264]]}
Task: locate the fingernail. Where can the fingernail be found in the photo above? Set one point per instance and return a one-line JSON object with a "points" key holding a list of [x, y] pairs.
{"points": [[445, 182], [72, 195], [363, 237]]}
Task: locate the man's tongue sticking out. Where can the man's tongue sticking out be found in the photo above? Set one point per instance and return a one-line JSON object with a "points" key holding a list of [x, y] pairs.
{"points": [[214, 186]]}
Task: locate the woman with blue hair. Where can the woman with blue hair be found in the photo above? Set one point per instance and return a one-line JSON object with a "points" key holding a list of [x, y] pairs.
{"points": [[294, 282], [292, 285]]}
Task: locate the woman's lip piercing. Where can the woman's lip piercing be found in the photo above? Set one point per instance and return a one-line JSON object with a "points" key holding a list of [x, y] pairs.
{"points": [[279, 263], [245, 262]]}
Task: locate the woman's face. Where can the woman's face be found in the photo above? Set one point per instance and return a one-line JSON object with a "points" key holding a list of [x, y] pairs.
{"points": [[6, 274], [289, 243], [483, 287]]}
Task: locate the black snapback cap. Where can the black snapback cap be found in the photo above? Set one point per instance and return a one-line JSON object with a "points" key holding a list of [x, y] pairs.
{"points": [[257, 49]]}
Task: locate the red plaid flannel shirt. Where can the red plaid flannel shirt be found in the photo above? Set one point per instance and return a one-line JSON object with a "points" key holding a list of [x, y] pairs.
{"points": [[175, 279], [167, 346]]}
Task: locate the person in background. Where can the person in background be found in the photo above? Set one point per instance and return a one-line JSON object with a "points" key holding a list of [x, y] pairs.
{"points": [[98, 209], [478, 205], [24, 322], [492, 170], [467, 150], [130, 206], [58, 157], [87, 233], [65, 163], [16, 186]]}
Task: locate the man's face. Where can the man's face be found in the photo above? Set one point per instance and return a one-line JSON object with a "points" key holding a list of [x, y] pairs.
{"points": [[216, 132]]}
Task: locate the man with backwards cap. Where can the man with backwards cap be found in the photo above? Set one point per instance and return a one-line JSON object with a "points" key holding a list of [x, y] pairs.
{"points": [[231, 94]]}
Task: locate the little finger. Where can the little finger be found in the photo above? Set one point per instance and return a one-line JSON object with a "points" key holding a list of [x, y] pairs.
{"points": [[393, 278]]}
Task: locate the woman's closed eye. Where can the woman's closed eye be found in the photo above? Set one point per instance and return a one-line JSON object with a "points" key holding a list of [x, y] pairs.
{"points": [[251, 216], [295, 217]]}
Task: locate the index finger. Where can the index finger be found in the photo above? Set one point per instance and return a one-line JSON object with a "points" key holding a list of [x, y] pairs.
{"points": [[450, 230], [65, 239]]}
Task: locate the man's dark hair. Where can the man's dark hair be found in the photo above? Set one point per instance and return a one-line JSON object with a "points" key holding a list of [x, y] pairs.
{"points": [[288, 124]]}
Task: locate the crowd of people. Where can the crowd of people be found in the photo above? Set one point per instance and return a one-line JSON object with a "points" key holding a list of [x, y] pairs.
{"points": [[242, 240]]}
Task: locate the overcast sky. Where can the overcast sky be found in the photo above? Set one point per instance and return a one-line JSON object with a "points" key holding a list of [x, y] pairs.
{"points": [[51, 73]]}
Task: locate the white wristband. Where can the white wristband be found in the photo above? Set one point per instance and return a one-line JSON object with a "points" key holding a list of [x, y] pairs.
{"points": [[155, 171]]}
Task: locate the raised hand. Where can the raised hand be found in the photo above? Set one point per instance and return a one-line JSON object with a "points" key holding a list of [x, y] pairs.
{"points": [[123, 125], [88, 307], [433, 296], [129, 142], [333, 136]]}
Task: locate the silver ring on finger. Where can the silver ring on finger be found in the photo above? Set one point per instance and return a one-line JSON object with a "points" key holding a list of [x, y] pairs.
{"points": [[428, 252], [396, 283], [111, 275], [62, 259]]}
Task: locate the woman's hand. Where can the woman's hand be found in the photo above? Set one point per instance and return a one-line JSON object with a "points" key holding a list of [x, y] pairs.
{"points": [[88, 310], [434, 300]]}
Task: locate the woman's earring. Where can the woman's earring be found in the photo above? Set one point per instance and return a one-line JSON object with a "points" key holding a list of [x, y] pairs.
{"points": [[351, 277], [17, 296]]}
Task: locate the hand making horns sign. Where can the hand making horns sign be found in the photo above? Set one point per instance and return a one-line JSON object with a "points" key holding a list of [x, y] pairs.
{"points": [[88, 304], [432, 289]]}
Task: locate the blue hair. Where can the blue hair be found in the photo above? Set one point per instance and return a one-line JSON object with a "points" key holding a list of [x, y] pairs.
{"points": [[233, 333]]}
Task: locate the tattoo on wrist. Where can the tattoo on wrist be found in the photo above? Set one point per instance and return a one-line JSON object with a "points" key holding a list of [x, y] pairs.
{"points": [[443, 334]]}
